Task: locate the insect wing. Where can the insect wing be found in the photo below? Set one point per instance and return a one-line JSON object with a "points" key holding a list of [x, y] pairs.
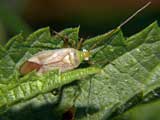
{"points": [[48, 56], [62, 59]]}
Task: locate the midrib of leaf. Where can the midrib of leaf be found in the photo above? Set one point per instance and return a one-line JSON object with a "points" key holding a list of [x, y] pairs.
{"points": [[40, 84]]}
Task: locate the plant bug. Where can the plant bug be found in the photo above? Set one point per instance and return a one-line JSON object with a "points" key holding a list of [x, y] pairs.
{"points": [[63, 59], [66, 58]]}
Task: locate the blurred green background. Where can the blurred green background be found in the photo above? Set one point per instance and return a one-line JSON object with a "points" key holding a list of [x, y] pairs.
{"points": [[93, 16]]}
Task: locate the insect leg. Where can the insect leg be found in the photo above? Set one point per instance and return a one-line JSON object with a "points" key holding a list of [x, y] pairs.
{"points": [[110, 33], [76, 93], [64, 38], [66, 41], [79, 45], [87, 111]]}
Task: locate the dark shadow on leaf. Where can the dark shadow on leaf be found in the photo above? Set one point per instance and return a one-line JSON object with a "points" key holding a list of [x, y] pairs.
{"points": [[47, 111], [28, 112], [85, 110], [152, 96], [135, 100]]}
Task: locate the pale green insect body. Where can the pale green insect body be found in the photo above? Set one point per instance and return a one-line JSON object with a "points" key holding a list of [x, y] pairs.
{"points": [[63, 59]]}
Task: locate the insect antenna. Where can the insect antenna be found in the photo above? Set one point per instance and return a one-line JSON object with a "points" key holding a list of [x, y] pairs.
{"points": [[66, 41], [134, 14], [110, 33], [89, 96]]}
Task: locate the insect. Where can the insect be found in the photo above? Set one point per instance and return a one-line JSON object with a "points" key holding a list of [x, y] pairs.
{"points": [[63, 59]]}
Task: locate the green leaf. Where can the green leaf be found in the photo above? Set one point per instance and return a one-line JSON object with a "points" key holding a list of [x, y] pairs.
{"points": [[7, 65], [27, 89], [113, 48], [126, 75], [127, 70]]}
